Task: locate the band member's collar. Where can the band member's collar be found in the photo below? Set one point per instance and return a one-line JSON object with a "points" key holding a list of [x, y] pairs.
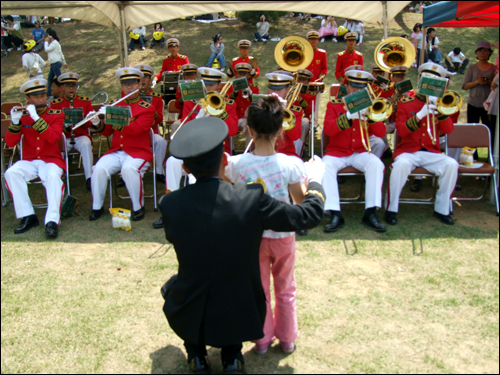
{"points": [[354, 50], [174, 57], [132, 101], [44, 109], [69, 99]]}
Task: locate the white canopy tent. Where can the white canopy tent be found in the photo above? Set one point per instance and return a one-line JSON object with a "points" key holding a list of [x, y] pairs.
{"points": [[130, 14]]}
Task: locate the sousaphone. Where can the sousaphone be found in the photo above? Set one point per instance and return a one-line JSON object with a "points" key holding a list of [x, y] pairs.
{"points": [[293, 53], [394, 51]]}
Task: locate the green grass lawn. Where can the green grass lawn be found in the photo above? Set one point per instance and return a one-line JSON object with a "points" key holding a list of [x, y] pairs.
{"points": [[422, 297]]}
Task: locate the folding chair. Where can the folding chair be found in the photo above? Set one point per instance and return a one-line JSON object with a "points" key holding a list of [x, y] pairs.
{"points": [[417, 172], [4, 116], [7, 106], [474, 135], [172, 111], [62, 148], [9, 152], [151, 168]]}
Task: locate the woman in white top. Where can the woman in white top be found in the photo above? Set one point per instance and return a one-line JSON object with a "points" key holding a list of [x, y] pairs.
{"points": [[262, 33], [55, 56], [328, 27], [32, 62], [433, 52]]}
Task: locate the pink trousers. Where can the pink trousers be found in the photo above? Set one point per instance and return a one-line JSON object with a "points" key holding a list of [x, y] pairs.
{"points": [[277, 256]]}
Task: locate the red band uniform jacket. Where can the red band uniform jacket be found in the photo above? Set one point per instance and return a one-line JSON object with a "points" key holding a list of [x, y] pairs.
{"points": [[41, 138], [79, 102], [413, 133], [157, 103], [319, 64], [249, 60], [171, 64], [133, 138], [345, 60], [285, 144], [242, 104], [344, 135]]}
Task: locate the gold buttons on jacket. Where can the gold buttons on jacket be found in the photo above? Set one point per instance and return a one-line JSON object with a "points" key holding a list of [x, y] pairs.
{"points": [[37, 138], [121, 145], [38, 148]]}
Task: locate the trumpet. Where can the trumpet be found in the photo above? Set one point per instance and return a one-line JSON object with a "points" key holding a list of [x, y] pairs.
{"points": [[288, 116], [246, 93], [450, 103], [214, 103]]}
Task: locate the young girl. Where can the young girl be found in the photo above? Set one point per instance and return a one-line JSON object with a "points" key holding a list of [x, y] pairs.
{"points": [[217, 49], [281, 175], [328, 27], [416, 38], [433, 52], [157, 28]]}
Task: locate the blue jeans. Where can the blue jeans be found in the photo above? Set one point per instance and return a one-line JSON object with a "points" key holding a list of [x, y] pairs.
{"points": [[259, 37], [54, 72], [135, 41], [221, 59]]}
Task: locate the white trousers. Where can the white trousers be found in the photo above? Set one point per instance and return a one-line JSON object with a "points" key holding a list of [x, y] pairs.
{"points": [[175, 173], [369, 164], [16, 178], [84, 147], [160, 145], [132, 171], [174, 126], [378, 146], [299, 143], [441, 165]]}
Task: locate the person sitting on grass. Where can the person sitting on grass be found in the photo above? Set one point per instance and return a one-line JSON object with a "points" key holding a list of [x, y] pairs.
{"points": [[39, 35], [15, 34], [262, 33], [456, 61], [137, 35], [217, 49], [158, 36]]}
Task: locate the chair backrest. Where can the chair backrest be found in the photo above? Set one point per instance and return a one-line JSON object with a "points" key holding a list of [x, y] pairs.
{"points": [[7, 106], [469, 135], [172, 108], [5, 127], [4, 116], [334, 89]]}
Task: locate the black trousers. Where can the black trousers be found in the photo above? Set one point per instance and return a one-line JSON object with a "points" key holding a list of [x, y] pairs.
{"points": [[228, 353], [456, 65], [9, 39], [480, 115]]}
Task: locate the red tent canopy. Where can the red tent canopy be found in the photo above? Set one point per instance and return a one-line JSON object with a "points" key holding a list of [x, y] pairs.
{"points": [[462, 14]]}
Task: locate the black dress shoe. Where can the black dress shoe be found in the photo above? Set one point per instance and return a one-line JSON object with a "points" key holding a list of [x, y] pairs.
{"points": [[158, 224], [334, 224], [120, 183], [160, 178], [199, 365], [417, 185], [387, 154], [139, 214], [51, 229], [87, 184], [236, 367], [373, 222], [96, 214], [391, 218], [302, 232], [27, 223], [445, 219]]}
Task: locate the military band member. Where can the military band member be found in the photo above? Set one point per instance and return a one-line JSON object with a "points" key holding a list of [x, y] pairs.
{"points": [[384, 91], [244, 47], [319, 66], [417, 150], [304, 76], [345, 149], [279, 84], [348, 57], [242, 103], [217, 297], [82, 139], [130, 150], [174, 60], [190, 73], [41, 129], [160, 144]]}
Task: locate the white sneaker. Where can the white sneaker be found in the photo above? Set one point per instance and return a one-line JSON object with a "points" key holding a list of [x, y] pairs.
{"points": [[9, 49], [334, 40], [322, 40], [18, 48]]}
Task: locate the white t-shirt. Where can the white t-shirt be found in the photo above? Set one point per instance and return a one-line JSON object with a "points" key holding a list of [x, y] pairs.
{"points": [[419, 40], [358, 28], [278, 171], [456, 58], [29, 60]]}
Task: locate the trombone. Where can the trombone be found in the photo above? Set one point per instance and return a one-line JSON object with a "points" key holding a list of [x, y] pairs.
{"points": [[450, 103]]}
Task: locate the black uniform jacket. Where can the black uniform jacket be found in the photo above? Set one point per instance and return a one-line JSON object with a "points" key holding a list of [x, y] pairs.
{"points": [[216, 228]]}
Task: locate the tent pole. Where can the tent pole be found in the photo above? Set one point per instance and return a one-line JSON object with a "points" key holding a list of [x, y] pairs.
{"points": [[386, 25], [122, 58], [124, 36], [495, 157], [424, 46]]}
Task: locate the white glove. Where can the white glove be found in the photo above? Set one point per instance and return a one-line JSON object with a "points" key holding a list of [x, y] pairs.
{"points": [[153, 84], [15, 116], [315, 169], [432, 99], [357, 115], [95, 120], [201, 113], [423, 112], [102, 110], [282, 101], [252, 72], [32, 110], [384, 86]]}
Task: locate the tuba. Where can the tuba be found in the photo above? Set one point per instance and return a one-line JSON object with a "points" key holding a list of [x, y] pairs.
{"points": [[214, 103], [394, 51]]}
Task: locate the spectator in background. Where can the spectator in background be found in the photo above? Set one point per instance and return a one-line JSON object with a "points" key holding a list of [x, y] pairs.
{"points": [[137, 35], [56, 90], [433, 52], [456, 61], [32, 62], [55, 56], [416, 38], [217, 49], [348, 24], [328, 27], [478, 79], [359, 27], [262, 33], [39, 35], [158, 29], [15, 34]]}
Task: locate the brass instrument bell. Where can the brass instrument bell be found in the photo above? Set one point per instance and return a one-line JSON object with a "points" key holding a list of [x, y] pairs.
{"points": [[293, 53], [394, 51]]}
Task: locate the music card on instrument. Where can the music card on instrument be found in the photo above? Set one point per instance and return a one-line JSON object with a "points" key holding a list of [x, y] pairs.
{"points": [[118, 116], [240, 84], [358, 101], [432, 85], [403, 86], [341, 92], [72, 116], [382, 81], [192, 90]]}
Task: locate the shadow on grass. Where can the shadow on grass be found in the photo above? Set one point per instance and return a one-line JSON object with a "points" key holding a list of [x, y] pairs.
{"points": [[169, 360]]}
